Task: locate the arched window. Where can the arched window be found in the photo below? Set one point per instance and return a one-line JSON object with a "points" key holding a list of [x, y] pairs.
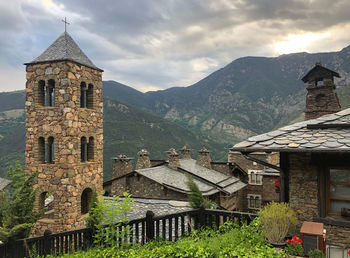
{"points": [[90, 149], [83, 100], [41, 92], [50, 150], [50, 93], [41, 150], [83, 149], [86, 197], [90, 96], [45, 199]]}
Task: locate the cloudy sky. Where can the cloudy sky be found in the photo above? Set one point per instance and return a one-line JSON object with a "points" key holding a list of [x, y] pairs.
{"points": [[157, 44]]}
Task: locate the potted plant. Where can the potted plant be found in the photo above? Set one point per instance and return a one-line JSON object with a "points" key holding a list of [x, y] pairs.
{"points": [[278, 185], [294, 246], [277, 219]]}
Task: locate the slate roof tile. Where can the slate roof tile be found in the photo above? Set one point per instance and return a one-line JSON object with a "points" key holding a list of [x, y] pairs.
{"points": [[64, 48], [302, 137]]}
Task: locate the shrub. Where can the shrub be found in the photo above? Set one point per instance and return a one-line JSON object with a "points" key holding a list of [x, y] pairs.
{"points": [[277, 219], [106, 218], [316, 254]]}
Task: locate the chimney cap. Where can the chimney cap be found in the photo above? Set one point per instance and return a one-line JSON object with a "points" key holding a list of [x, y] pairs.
{"points": [[203, 150], [143, 152], [173, 152], [122, 157], [184, 148]]}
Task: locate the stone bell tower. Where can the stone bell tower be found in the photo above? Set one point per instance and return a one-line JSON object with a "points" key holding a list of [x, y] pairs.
{"points": [[321, 98], [64, 134]]}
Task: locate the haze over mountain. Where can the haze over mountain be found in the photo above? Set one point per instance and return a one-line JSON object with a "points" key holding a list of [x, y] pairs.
{"points": [[250, 95]]}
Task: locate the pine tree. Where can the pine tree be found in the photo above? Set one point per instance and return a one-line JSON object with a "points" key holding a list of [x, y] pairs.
{"points": [[195, 196], [17, 209]]}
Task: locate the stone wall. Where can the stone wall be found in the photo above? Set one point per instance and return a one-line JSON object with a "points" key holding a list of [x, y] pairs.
{"points": [[221, 167], [67, 177], [140, 186], [269, 194], [303, 196]]}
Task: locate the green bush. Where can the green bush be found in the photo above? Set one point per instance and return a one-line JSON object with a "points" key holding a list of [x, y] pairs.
{"points": [[230, 240], [316, 254], [277, 219]]}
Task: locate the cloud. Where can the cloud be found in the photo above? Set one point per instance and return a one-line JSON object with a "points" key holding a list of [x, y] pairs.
{"points": [[158, 44]]}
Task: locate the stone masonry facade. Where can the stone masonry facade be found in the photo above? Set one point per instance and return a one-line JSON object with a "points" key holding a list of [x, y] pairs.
{"points": [[304, 199], [66, 176]]}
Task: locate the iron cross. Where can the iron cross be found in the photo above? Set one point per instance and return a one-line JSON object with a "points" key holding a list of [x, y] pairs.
{"points": [[65, 24]]}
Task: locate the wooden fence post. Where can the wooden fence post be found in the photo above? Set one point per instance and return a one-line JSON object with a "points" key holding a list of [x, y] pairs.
{"points": [[201, 217], [149, 226], [47, 246]]}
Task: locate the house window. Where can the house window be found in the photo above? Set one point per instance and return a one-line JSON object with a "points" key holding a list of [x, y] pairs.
{"points": [[90, 96], [338, 190], [83, 149], [50, 94], [90, 149], [83, 95], [86, 198], [254, 201], [41, 92], [41, 150], [50, 150], [46, 150], [46, 93], [86, 95], [255, 178]]}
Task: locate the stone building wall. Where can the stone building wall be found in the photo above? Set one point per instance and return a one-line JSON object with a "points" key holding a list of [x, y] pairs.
{"points": [[140, 186], [67, 177], [221, 167], [269, 194], [303, 196]]}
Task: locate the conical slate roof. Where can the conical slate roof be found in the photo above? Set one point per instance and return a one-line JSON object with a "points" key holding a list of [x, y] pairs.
{"points": [[64, 49]]}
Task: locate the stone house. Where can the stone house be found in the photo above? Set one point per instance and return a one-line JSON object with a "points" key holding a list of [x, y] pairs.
{"points": [[259, 178], [167, 180], [314, 159]]}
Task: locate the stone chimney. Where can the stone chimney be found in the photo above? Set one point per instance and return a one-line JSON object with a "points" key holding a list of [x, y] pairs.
{"points": [[321, 98], [185, 153], [143, 160], [203, 158], [173, 159], [121, 165]]}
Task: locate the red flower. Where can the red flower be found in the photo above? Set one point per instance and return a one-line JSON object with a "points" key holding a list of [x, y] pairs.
{"points": [[278, 183], [349, 252]]}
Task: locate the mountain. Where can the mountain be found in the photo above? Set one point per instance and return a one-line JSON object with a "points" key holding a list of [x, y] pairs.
{"points": [[126, 130], [251, 95]]}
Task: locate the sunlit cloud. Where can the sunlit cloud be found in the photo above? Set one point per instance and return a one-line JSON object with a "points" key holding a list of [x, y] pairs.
{"points": [[298, 43]]}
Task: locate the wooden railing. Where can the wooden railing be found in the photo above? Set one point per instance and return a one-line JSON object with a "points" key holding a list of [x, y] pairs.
{"points": [[168, 227]]}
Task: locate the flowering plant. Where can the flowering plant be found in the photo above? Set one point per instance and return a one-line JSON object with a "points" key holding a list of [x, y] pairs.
{"points": [[278, 183], [294, 246], [349, 252]]}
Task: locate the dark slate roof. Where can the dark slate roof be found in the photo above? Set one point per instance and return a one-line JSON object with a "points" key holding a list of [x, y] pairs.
{"points": [[209, 181], [328, 133], [64, 49], [174, 179], [159, 207], [317, 67], [3, 183]]}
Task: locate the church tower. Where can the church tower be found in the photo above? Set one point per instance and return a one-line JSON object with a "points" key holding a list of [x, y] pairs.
{"points": [[64, 133], [321, 98]]}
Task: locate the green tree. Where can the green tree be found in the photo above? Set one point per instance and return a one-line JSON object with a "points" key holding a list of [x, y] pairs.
{"points": [[17, 210], [195, 196]]}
